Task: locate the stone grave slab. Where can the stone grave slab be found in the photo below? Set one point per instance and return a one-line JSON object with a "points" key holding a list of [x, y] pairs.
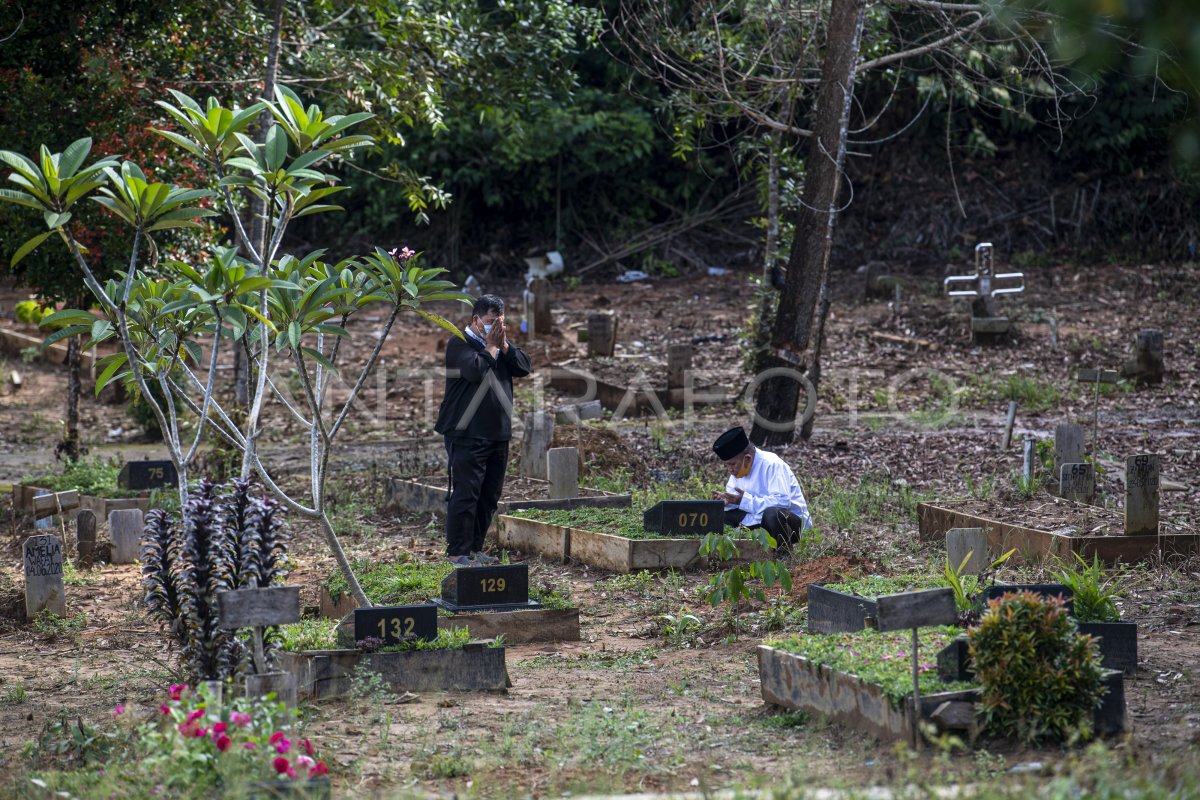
{"points": [[125, 533], [535, 441], [963, 541], [562, 467], [42, 557], [85, 538], [1068, 447]]}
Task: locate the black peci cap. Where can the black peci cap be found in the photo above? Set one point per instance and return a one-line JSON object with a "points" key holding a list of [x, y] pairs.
{"points": [[730, 444]]}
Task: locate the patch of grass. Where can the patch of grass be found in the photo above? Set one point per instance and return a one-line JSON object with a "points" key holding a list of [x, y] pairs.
{"points": [[883, 659], [787, 720], [92, 476], [608, 659], [640, 582], [873, 586], [455, 638], [1027, 487], [48, 623], [407, 583], [15, 695], [836, 505], [73, 577], [1032, 395], [316, 633], [625, 522]]}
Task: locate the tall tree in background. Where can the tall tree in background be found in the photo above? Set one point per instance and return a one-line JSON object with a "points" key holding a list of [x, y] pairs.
{"points": [[754, 63]]}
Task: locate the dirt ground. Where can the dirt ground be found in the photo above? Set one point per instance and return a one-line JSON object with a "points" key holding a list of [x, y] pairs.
{"points": [[916, 414]]}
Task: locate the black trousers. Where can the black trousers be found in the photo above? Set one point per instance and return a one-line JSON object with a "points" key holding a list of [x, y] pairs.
{"points": [[477, 469], [783, 525]]}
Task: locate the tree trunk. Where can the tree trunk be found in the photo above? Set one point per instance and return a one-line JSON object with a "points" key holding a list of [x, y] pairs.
{"points": [[772, 247], [70, 444], [796, 332], [258, 223]]}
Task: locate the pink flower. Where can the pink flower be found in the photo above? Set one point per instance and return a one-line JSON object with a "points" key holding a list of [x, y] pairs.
{"points": [[176, 691], [282, 765], [240, 719], [223, 742], [401, 254], [195, 715], [119, 710], [282, 746], [305, 761], [250, 745], [218, 727], [164, 710]]}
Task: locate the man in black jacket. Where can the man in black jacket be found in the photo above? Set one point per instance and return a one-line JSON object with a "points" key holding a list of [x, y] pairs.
{"points": [[476, 420]]}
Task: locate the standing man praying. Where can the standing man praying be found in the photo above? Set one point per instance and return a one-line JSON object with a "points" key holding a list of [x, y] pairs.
{"points": [[762, 491], [476, 420]]}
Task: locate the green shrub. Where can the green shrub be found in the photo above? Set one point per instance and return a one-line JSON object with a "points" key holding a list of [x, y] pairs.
{"points": [[1040, 678]]}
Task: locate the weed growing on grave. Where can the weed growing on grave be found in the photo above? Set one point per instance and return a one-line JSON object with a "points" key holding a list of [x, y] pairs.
{"points": [[617, 481], [982, 489], [883, 659], [15, 695], [1028, 487], [680, 629], [606, 659], [48, 623], [641, 582], [1040, 679], [1093, 597], [73, 577], [733, 585], [787, 720], [969, 588]]}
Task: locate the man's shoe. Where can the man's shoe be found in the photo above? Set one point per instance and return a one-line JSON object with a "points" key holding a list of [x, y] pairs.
{"points": [[463, 561], [484, 559]]}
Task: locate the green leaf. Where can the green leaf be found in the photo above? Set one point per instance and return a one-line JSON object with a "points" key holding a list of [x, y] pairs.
{"points": [[104, 378], [320, 359], [55, 221], [445, 323], [73, 157], [20, 198], [277, 146], [29, 247], [74, 330], [68, 316], [293, 334]]}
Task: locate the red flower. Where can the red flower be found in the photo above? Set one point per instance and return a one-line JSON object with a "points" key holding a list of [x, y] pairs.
{"points": [[218, 727], [195, 715], [308, 747], [319, 769], [223, 742], [164, 709], [275, 737], [282, 765], [176, 691]]}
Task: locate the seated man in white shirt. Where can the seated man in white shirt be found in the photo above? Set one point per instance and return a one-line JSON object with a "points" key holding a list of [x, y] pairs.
{"points": [[762, 490]]}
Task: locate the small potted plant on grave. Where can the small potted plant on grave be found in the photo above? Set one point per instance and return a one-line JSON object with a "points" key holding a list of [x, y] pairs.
{"points": [[1096, 612]]}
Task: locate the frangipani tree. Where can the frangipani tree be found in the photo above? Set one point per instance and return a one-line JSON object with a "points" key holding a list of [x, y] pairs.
{"points": [[279, 309]]}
